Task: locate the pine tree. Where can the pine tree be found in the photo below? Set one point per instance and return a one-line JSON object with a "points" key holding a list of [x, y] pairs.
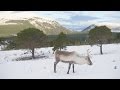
{"points": [[100, 35], [60, 42], [31, 38]]}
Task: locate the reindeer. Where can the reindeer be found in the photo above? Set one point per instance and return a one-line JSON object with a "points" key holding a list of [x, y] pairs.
{"points": [[71, 58]]}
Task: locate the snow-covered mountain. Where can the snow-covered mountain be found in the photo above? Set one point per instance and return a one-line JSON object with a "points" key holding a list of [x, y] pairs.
{"points": [[14, 25], [6, 21], [89, 28]]}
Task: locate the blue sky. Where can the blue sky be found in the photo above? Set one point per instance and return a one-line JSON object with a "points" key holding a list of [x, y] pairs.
{"points": [[72, 19]]}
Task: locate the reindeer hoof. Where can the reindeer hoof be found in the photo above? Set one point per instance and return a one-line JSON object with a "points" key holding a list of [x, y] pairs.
{"points": [[67, 73]]}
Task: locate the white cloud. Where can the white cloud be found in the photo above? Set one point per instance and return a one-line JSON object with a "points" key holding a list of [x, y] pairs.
{"points": [[108, 18], [54, 14], [109, 24], [11, 15]]}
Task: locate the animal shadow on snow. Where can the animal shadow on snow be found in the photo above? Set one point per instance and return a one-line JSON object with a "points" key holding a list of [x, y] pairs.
{"points": [[37, 57], [104, 53]]}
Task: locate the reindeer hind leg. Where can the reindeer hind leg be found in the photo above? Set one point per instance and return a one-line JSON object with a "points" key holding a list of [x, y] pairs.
{"points": [[55, 63]]}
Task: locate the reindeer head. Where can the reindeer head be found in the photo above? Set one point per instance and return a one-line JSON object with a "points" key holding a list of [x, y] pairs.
{"points": [[89, 62]]}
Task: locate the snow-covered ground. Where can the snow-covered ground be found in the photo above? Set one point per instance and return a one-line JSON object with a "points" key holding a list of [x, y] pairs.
{"points": [[106, 66]]}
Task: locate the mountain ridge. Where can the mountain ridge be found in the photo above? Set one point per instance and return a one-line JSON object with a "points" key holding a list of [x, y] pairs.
{"points": [[13, 26]]}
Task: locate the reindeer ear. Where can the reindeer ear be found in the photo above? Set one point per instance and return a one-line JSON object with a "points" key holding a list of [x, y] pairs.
{"points": [[88, 51]]}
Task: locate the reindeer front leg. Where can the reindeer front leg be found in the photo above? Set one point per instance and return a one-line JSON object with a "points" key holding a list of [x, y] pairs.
{"points": [[54, 67], [69, 68]]}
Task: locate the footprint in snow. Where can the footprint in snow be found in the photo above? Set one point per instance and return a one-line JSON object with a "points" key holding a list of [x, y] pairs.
{"points": [[44, 67], [113, 61], [115, 67]]}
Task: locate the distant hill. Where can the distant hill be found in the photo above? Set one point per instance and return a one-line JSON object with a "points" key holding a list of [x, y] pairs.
{"points": [[10, 27], [88, 28]]}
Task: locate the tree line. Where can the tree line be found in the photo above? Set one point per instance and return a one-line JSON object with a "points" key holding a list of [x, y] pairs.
{"points": [[32, 38]]}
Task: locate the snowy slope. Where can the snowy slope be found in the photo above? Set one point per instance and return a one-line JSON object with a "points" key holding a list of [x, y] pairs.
{"points": [[89, 28], [103, 65], [15, 25]]}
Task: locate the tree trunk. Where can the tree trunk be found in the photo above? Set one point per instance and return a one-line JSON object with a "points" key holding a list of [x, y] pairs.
{"points": [[33, 53], [101, 49]]}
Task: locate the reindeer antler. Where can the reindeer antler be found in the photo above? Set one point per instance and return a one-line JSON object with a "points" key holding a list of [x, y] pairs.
{"points": [[88, 52]]}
